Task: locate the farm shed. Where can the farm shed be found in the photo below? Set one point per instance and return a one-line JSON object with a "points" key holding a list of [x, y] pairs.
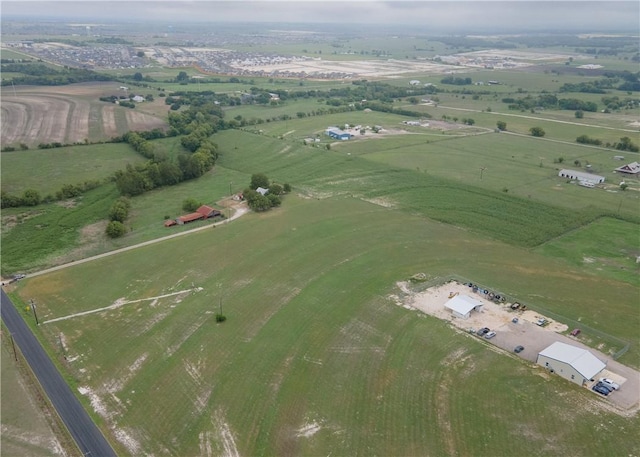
{"points": [[189, 218], [338, 134], [208, 211], [462, 305], [262, 191], [632, 168], [581, 176], [572, 363]]}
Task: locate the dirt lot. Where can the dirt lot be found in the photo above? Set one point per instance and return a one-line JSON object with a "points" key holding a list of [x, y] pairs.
{"points": [[499, 318]]}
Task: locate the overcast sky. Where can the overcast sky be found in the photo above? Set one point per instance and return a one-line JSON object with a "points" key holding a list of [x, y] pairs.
{"points": [[513, 14]]}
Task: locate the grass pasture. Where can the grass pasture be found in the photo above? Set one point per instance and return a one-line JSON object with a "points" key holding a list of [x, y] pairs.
{"points": [[608, 247], [27, 424], [58, 166], [315, 357]]}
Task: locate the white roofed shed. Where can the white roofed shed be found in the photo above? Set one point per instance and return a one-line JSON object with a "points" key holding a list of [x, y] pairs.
{"points": [[462, 305]]}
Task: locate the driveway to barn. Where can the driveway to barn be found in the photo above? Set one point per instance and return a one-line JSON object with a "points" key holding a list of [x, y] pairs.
{"points": [[524, 332], [240, 210]]}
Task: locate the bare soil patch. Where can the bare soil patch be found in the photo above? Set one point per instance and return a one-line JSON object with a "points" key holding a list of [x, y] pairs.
{"points": [[63, 114]]}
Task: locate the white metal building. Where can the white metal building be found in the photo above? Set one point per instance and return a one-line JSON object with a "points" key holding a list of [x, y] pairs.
{"points": [[581, 176], [462, 305], [572, 363]]}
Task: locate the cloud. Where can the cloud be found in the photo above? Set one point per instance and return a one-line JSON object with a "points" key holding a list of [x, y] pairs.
{"points": [[509, 15]]}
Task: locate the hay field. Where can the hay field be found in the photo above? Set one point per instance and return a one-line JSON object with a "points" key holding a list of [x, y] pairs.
{"points": [[67, 114]]}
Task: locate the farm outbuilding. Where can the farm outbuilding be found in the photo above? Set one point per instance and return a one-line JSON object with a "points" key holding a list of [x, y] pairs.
{"points": [[338, 134], [203, 212], [189, 218], [572, 363], [462, 305], [581, 176], [208, 211]]}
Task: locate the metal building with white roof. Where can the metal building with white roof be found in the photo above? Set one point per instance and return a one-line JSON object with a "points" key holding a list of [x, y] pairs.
{"points": [[572, 363], [462, 305]]}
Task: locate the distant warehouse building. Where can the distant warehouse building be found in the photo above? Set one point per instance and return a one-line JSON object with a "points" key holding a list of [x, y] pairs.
{"points": [[581, 176], [338, 134], [572, 363]]}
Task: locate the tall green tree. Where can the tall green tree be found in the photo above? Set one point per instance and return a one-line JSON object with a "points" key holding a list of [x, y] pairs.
{"points": [[259, 180], [537, 131]]}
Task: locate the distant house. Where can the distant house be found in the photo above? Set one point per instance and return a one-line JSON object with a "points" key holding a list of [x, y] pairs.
{"points": [[632, 168], [338, 134], [581, 176], [262, 191], [414, 82], [462, 305], [138, 99], [572, 363]]}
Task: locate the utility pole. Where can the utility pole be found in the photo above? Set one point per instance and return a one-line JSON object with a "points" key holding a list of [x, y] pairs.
{"points": [[13, 345], [33, 307]]}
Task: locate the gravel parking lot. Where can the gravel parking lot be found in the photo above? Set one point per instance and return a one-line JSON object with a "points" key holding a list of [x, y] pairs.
{"points": [[534, 338]]}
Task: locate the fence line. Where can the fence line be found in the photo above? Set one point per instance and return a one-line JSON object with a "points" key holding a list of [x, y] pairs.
{"points": [[613, 340]]}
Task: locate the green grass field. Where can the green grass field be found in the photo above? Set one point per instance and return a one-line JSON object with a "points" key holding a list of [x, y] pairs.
{"points": [[27, 422], [312, 344], [59, 166], [316, 357]]}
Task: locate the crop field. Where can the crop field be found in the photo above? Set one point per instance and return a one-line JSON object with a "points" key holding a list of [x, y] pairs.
{"points": [[314, 356], [67, 114]]}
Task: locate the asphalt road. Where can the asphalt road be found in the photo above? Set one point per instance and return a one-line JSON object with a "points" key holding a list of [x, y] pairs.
{"points": [[84, 431]]}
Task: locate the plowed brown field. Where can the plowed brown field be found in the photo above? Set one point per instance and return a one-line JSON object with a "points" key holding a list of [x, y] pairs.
{"points": [[67, 114]]}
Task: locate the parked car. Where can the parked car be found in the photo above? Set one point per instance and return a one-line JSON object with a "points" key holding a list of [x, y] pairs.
{"points": [[19, 276], [518, 349], [601, 389], [483, 331], [609, 383], [514, 320], [490, 335], [575, 332], [541, 321]]}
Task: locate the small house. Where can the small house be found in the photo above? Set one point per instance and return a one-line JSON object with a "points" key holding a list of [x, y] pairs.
{"points": [[138, 99], [262, 191], [632, 168]]}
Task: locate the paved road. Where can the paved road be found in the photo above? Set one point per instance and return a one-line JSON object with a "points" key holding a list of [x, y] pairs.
{"points": [[84, 431]]}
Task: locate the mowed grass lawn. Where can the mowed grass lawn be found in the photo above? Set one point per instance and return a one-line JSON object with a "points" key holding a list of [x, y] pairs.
{"points": [[315, 358]]}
